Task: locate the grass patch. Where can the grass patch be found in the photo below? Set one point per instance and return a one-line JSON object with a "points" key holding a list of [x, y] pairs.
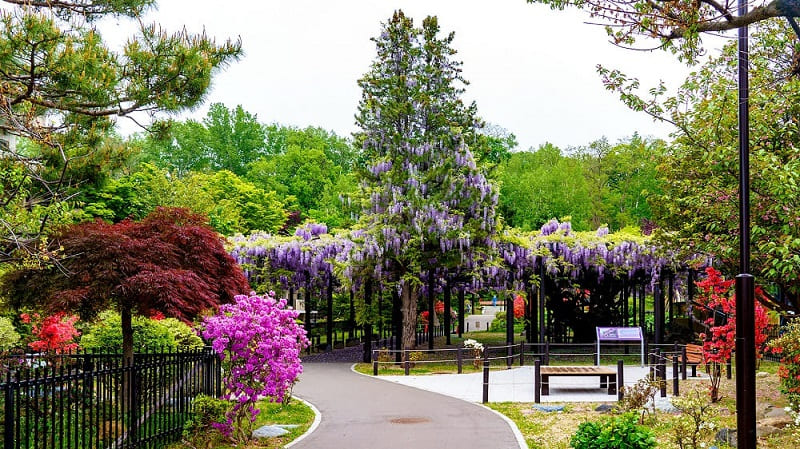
{"points": [[295, 412]]}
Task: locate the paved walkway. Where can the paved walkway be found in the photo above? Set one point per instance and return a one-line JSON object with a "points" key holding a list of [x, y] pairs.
{"points": [[359, 412]]}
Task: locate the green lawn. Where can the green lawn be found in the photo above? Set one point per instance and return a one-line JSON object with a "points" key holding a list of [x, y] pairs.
{"points": [[295, 412]]}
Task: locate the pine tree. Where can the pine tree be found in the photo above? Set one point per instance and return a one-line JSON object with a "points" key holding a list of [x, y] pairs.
{"points": [[428, 206]]}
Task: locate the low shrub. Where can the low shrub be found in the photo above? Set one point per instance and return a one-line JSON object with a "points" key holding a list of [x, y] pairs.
{"points": [[200, 430], [9, 337], [788, 347], [617, 432], [105, 333], [696, 422]]}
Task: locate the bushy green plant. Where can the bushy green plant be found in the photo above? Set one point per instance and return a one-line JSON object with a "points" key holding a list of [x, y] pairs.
{"points": [[637, 397], [696, 422], [199, 429], [148, 333], [9, 337], [618, 432]]}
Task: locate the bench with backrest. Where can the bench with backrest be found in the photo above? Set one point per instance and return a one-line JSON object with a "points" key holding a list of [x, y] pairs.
{"points": [[692, 356], [608, 376]]}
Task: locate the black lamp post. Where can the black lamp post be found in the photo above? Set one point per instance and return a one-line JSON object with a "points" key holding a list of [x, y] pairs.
{"points": [[745, 294]]}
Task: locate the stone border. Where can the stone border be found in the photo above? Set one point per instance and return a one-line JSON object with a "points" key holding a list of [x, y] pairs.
{"points": [[314, 425], [514, 429]]}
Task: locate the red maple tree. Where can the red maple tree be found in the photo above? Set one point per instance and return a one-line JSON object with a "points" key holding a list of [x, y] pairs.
{"points": [[171, 262]]}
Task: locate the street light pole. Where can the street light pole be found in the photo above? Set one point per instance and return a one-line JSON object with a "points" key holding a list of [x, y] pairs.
{"points": [[745, 286]]}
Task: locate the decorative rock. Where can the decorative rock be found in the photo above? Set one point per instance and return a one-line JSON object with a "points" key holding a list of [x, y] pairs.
{"points": [[287, 426], [664, 405], [776, 412], [763, 431], [549, 408], [777, 421], [727, 436], [269, 431], [762, 374], [604, 408]]}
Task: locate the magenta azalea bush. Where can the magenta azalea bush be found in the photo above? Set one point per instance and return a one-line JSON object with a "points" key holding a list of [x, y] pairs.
{"points": [[259, 343]]}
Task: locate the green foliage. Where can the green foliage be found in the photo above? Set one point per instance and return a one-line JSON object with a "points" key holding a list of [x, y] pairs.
{"points": [[618, 432], [696, 424], [206, 410], [231, 203], [9, 337], [226, 139], [168, 333], [62, 85], [700, 173]]}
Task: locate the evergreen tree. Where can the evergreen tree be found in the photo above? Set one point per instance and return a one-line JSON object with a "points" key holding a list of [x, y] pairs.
{"points": [[428, 206], [61, 86]]}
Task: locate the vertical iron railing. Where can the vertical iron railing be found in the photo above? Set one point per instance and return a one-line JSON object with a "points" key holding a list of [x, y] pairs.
{"points": [[90, 400]]}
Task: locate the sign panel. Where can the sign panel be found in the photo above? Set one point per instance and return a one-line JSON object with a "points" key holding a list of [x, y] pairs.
{"points": [[619, 333]]}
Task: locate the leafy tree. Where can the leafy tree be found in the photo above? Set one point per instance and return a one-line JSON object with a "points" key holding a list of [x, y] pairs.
{"points": [[62, 86], [171, 262], [226, 139], [428, 205], [338, 150], [700, 174], [538, 186], [231, 203], [304, 173], [677, 25]]}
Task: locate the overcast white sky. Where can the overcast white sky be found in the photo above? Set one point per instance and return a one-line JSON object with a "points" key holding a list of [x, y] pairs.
{"points": [[532, 70]]}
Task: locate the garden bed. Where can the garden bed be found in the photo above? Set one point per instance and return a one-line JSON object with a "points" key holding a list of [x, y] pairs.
{"points": [[553, 430]]}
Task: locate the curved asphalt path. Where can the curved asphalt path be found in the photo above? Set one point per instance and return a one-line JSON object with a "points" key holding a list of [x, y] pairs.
{"points": [[359, 412]]}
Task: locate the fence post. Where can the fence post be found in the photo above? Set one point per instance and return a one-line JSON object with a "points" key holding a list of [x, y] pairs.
{"points": [[522, 354], [547, 353], [537, 381], [509, 355], [10, 419], [620, 379], [651, 362], [405, 361], [662, 374], [374, 362], [485, 380], [729, 368], [683, 363], [675, 386], [459, 359]]}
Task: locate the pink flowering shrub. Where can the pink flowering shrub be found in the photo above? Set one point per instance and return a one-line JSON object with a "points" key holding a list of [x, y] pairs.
{"points": [[717, 295], [259, 343], [55, 333]]}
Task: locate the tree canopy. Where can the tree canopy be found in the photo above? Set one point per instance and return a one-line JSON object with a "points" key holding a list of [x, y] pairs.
{"points": [[170, 262], [61, 86]]}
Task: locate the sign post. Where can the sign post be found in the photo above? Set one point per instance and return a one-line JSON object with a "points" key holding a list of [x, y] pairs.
{"points": [[624, 334]]}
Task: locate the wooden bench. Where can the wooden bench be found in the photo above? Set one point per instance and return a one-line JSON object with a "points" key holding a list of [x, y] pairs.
{"points": [[694, 356], [608, 376]]}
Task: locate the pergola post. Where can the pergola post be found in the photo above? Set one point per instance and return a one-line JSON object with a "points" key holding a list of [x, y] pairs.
{"points": [[461, 311], [431, 311], [542, 274], [398, 325], [367, 358], [658, 312], [329, 312], [447, 317]]}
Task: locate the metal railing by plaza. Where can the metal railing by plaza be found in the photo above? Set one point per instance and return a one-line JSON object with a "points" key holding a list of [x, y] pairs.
{"points": [[658, 357], [91, 400]]}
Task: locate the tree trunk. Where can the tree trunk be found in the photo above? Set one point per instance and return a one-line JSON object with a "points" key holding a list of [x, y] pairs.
{"points": [[408, 296], [127, 336]]}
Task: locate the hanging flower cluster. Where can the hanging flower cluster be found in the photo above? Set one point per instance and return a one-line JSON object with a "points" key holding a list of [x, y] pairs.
{"points": [[259, 342]]}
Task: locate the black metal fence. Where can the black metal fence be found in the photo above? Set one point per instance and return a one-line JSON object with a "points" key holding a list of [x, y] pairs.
{"points": [[91, 400]]}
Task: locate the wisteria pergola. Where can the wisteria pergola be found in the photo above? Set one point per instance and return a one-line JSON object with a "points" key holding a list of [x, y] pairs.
{"points": [[572, 281]]}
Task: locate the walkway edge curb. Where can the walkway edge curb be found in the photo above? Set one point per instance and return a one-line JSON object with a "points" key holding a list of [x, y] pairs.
{"points": [[314, 425], [514, 429]]}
